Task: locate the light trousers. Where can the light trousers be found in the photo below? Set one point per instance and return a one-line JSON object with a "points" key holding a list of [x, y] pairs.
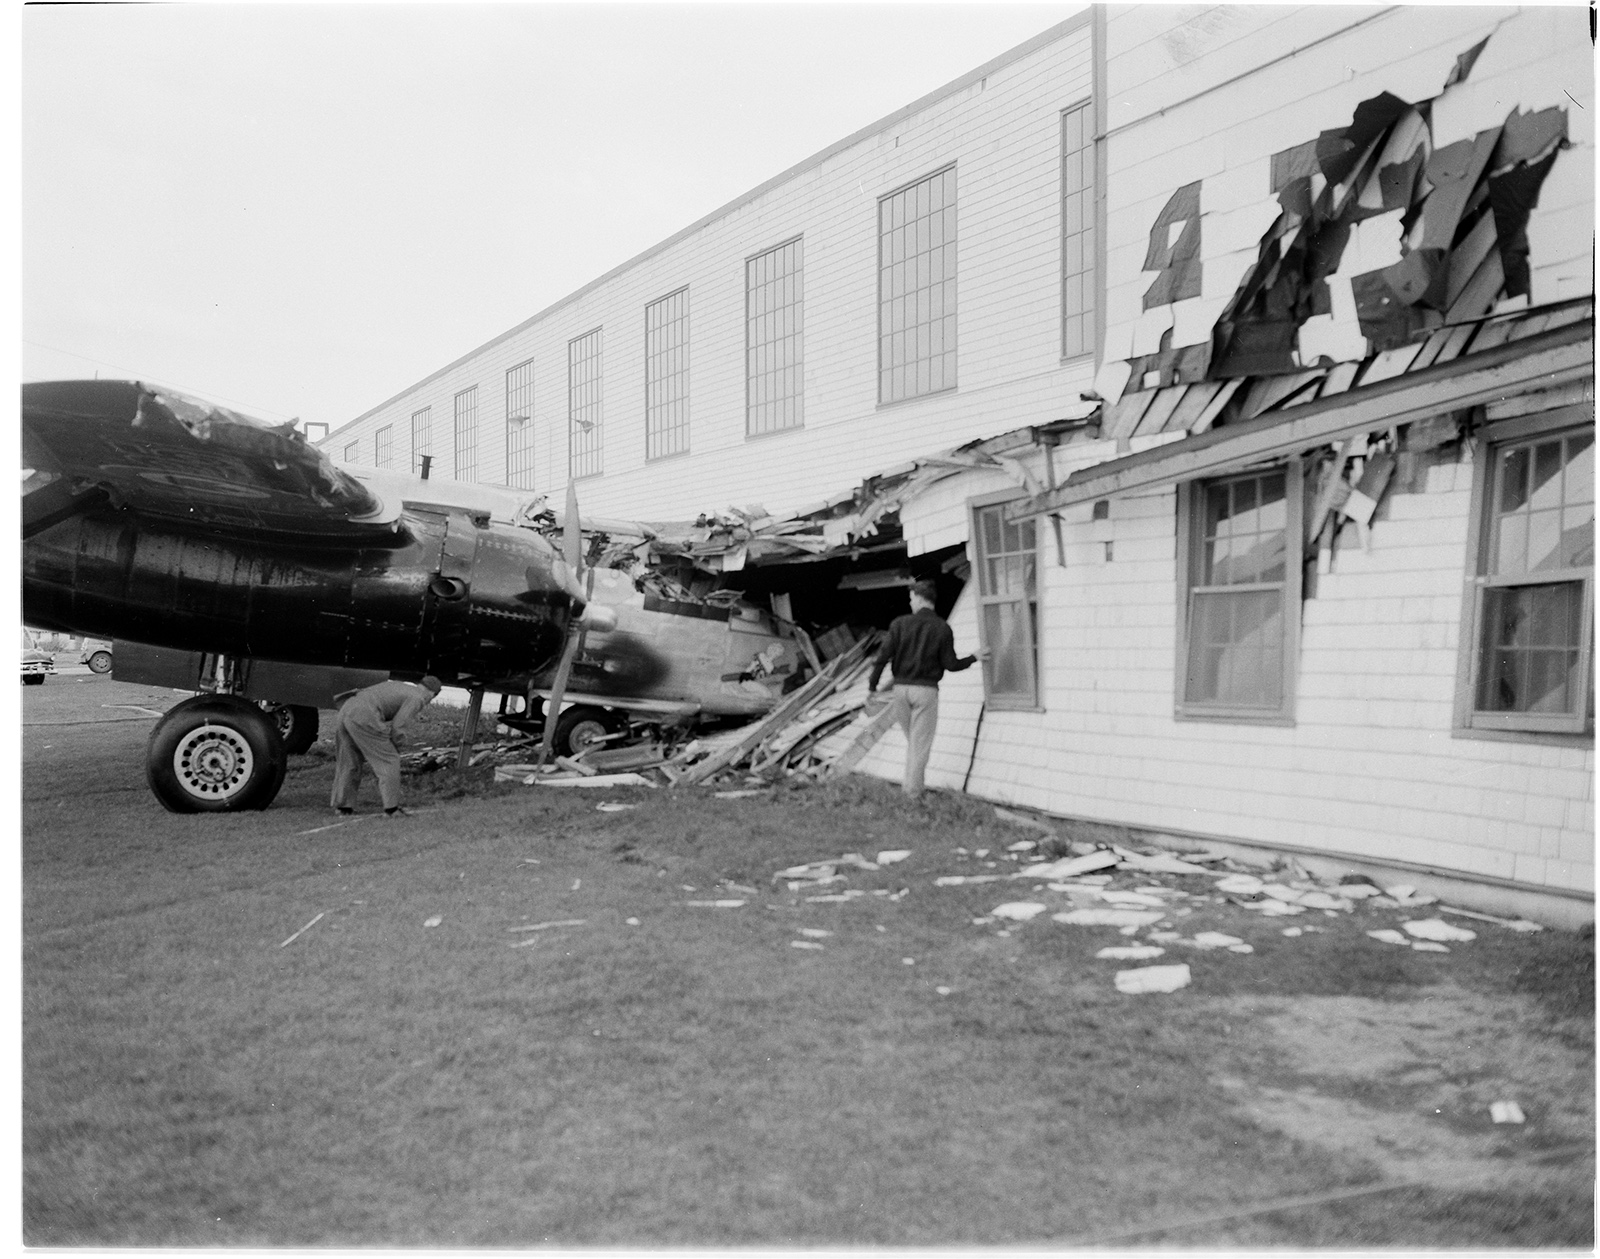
{"points": [[360, 744], [917, 711]]}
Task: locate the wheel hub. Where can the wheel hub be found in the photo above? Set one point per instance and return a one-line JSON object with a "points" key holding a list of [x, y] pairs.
{"points": [[213, 762]]}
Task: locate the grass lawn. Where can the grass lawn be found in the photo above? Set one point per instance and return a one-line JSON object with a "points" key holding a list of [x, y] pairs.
{"points": [[693, 1078]]}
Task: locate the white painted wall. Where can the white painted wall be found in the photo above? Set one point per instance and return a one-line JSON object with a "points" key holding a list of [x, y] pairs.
{"points": [[1002, 132]]}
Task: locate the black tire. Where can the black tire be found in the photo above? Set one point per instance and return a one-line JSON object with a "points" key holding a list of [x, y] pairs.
{"points": [[100, 662], [297, 725], [215, 754], [580, 728], [33, 679]]}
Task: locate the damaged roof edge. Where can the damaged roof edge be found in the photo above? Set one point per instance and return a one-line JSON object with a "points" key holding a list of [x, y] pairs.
{"points": [[1543, 360]]}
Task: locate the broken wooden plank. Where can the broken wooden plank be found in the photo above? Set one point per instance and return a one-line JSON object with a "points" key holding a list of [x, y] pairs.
{"points": [[303, 930], [866, 739], [1212, 409], [785, 712]]}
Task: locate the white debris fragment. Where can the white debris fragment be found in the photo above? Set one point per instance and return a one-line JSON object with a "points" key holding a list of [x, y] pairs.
{"points": [[1514, 924], [1153, 979], [1134, 918], [942, 991], [1022, 845], [1276, 909], [1132, 898], [1241, 948], [980, 852], [737, 795], [1130, 952], [1324, 901], [1018, 911], [632, 922], [1069, 866], [890, 856], [1166, 936], [1215, 940], [727, 904], [1240, 885], [1158, 863], [1428, 946], [1388, 936], [1279, 892], [432, 922], [1358, 891], [1506, 1112], [613, 806], [908, 961], [1291, 931], [545, 926], [1436, 929], [956, 880], [803, 944], [814, 933], [1406, 895]]}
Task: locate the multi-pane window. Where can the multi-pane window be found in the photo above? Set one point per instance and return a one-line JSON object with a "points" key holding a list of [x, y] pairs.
{"points": [[383, 446], [1008, 607], [774, 309], [1242, 595], [666, 375], [583, 405], [421, 438], [917, 289], [1077, 231], [466, 408], [352, 452], [519, 426], [1532, 622]]}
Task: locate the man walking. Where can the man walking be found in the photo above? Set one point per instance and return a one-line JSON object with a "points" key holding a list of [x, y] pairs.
{"points": [[921, 649], [368, 726]]}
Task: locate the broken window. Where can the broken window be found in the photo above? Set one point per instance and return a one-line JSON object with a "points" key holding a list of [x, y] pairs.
{"points": [[519, 426], [466, 406], [583, 405], [917, 289], [666, 375], [1008, 606], [383, 446], [1241, 595], [421, 437], [1532, 618], [774, 286], [1077, 231]]}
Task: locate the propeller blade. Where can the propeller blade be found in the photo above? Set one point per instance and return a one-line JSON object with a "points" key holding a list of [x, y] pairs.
{"points": [[552, 708], [572, 533]]}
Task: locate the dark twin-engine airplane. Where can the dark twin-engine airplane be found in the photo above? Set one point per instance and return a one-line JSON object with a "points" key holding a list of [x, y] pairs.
{"points": [[152, 517]]}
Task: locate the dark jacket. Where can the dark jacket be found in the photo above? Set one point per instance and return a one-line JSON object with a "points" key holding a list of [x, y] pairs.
{"points": [[921, 649]]}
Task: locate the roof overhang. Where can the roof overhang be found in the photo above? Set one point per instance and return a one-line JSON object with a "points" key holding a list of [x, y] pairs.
{"points": [[1542, 361]]}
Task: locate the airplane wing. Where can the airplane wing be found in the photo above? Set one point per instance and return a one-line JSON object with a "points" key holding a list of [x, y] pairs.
{"points": [[160, 453]]}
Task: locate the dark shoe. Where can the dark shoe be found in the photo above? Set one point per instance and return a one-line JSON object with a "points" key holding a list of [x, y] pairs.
{"points": [[339, 808], [397, 811]]}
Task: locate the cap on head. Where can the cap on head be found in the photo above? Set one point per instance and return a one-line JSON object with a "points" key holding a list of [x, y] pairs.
{"points": [[926, 591], [433, 684]]}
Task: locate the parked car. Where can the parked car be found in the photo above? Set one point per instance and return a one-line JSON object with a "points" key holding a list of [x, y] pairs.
{"points": [[36, 665], [96, 654]]}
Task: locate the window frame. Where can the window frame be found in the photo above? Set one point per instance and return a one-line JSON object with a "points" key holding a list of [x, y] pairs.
{"points": [[353, 446], [674, 433], [752, 347], [593, 446], [883, 302], [1191, 531], [383, 447], [424, 449], [1468, 720], [519, 452], [1090, 273], [470, 430], [976, 507]]}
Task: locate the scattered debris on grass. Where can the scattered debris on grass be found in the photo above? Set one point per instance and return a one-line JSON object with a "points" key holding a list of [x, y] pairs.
{"points": [[432, 922], [546, 926], [1147, 979], [302, 931], [1019, 911], [1389, 936], [892, 855], [720, 904], [1506, 1112], [614, 806], [1436, 929], [1130, 952], [803, 944], [814, 933]]}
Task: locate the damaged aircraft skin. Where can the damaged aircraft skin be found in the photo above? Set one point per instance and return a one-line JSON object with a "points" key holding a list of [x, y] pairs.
{"points": [[154, 517], [1449, 223]]}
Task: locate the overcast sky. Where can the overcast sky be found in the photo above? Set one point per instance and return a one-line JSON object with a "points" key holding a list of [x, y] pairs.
{"points": [[302, 210]]}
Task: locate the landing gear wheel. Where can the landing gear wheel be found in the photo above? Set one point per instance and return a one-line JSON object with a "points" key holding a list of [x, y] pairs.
{"points": [[100, 662], [297, 725], [581, 728], [33, 679], [215, 754]]}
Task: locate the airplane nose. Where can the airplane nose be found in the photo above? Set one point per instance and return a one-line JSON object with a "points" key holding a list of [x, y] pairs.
{"points": [[599, 618]]}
